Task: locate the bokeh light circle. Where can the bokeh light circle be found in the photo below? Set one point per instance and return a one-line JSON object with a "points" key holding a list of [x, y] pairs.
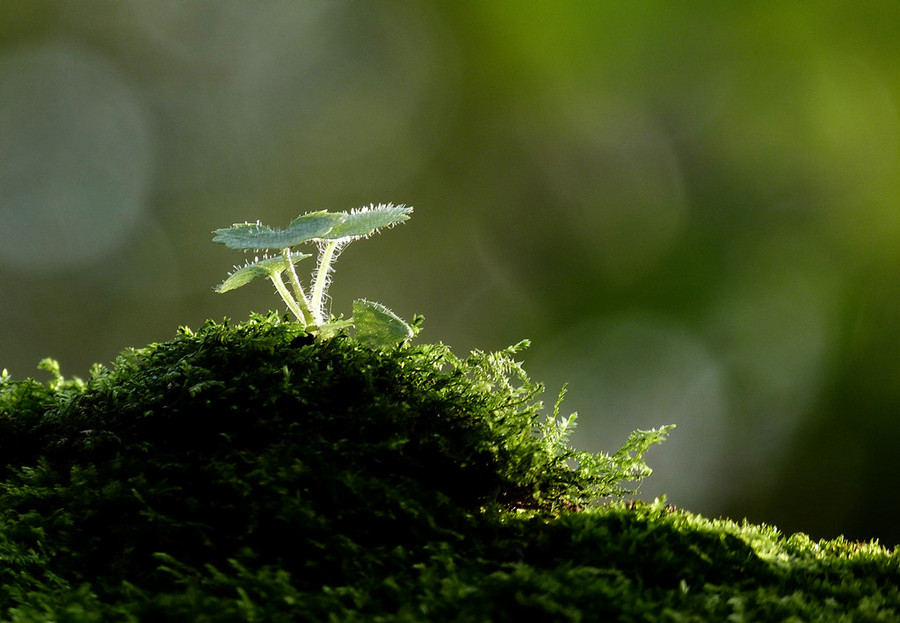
{"points": [[642, 371], [613, 168], [75, 158]]}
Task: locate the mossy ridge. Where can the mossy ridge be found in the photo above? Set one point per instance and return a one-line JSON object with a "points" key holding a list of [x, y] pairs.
{"points": [[650, 562], [244, 473], [349, 446]]}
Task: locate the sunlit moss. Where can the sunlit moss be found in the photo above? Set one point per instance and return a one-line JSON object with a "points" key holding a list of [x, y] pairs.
{"points": [[247, 472]]}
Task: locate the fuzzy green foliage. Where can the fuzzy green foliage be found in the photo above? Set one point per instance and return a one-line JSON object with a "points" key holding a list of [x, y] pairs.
{"points": [[375, 324], [250, 473]]}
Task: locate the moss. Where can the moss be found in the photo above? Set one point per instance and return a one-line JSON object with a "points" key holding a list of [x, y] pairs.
{"points": [[246, 473]]}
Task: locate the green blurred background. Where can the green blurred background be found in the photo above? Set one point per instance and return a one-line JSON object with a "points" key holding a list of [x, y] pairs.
{"points": [[692, 209]]}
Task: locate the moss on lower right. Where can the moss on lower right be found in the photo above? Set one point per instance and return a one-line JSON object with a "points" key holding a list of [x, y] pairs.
{"points": [[616, 562]]}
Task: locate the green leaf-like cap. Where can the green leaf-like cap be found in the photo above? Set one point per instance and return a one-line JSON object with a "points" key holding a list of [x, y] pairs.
{"points": [[266, 267], [377, 326], [364, 221], [258, 236]]}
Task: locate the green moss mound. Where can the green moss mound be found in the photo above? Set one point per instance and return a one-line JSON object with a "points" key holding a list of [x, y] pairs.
{"points": [[246, 473]]}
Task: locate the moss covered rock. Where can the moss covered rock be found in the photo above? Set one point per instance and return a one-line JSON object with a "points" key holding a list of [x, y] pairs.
{"points": [[248, 473]]}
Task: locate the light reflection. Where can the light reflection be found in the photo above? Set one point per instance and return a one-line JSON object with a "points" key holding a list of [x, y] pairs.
{"points": [[77, 158], [773, 326], [638, 372], [613, 167]]}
